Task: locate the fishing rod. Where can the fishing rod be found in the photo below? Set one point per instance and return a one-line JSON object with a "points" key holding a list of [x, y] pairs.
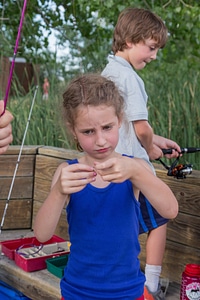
{"points": [[176, 170], [14, 57], [183, 150], [18, 160]]}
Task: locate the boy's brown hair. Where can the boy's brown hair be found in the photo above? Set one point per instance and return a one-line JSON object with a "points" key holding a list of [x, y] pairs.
{"points": [[137, 24]]}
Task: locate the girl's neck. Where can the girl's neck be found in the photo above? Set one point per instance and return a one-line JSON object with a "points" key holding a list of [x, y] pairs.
{"points": [[88, 160]]}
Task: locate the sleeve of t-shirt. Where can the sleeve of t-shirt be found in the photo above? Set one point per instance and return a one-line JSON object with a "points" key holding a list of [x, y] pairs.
{"points": [[135, 98]]}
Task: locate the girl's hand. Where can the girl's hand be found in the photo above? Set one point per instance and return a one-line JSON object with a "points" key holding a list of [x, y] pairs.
{"points": [[116, 169], [73, 178]]}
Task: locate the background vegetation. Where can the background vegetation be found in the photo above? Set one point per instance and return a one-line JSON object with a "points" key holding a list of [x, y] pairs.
{"points": [[85, 29]]}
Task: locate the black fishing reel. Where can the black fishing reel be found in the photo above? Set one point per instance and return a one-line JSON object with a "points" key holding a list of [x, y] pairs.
{"points": [[179, 171]]}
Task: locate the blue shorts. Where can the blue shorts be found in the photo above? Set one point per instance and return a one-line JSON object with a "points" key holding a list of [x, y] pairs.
{"points": [[149, 217]]}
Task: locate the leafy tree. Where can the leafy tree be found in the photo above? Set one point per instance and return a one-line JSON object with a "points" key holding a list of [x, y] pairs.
{"points": [[86, 28]]}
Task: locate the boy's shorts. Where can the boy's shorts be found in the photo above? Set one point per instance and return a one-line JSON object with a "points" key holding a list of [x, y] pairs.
{"points": [[149, 218]]}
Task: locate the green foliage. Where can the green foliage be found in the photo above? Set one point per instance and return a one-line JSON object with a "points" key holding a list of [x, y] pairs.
{"points": [[86, 28], [173, 112], [45, 126]]}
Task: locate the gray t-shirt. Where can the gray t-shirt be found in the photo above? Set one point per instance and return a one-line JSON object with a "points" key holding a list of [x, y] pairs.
{"points": [[132, 88]]}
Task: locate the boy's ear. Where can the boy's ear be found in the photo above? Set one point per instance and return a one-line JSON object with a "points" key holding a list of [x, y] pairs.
{"points": [[129, 44]]}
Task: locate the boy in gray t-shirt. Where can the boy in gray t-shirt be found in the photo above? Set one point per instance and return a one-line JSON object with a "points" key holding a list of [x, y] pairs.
{"points": [[138, 36]]}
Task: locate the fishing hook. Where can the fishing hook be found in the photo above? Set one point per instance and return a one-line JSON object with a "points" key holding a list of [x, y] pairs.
{"points": [[18, 161], [14, 56]]}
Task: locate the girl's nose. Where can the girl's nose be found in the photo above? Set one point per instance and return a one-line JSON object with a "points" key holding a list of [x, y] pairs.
{"points": [[100, 140]]}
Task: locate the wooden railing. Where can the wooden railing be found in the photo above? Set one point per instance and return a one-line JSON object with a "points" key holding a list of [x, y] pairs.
{"points": [[32, 184]]}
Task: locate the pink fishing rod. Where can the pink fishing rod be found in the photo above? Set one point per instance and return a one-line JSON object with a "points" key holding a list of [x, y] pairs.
{"points": [[14, 56]]}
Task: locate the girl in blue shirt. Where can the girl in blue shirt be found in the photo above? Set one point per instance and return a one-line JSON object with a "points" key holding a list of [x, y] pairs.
{"points": [[101, 191]]}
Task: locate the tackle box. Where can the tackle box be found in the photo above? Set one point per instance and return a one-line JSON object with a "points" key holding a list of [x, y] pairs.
{"points": [[34, 258], [9, 247], [56, 265]]}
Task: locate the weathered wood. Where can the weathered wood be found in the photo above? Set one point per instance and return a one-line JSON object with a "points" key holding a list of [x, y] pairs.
{"points": [[179, 231], [25, 166], [35, 285], [18, 214], [186, 190], [62, 227], [42, 284], [183, 238], [27, 150], [177, 255], [19, 210], [22, 188], [58, 152]]}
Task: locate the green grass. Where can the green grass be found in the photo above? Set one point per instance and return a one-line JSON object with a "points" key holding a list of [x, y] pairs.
{"points": [[174, 112]]}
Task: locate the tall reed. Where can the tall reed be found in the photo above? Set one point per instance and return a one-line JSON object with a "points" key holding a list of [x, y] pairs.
{"points": [[174, 112]]}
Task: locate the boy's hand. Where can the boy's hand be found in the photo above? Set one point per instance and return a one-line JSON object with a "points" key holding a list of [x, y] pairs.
{"points": [[164, 143]]}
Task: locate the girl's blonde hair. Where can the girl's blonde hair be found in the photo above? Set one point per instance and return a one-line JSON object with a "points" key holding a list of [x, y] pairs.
{"points": [[93, 90], [137, 24]]}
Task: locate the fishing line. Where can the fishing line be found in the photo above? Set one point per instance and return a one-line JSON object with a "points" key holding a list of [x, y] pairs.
{"points": [[18, 161]]}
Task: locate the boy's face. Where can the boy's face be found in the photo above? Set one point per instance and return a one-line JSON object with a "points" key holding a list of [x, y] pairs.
{"points": [[138, 55]]}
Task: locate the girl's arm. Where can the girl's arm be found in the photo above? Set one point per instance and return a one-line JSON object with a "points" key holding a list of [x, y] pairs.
{"points": [[135, 169], [67, 179]]}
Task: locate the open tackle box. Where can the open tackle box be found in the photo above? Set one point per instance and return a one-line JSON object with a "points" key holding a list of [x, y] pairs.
{"points": [[30, 255], [34, 258]]}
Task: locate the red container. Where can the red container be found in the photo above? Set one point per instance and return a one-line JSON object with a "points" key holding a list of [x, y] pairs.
{"points": [[9, 247], [34, 258], [190, 286]]}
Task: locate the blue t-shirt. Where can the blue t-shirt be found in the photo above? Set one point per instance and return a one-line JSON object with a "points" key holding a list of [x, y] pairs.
{"points": [[103, 229]]}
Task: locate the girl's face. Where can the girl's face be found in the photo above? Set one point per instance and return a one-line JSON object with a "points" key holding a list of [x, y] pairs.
{"points": [[97, 130], [138, 55]]}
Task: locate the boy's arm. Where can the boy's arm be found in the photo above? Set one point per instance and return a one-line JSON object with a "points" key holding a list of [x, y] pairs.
{"points": [[145, 135]]}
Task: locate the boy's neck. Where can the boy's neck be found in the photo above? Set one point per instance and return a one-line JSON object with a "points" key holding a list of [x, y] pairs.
{"points": [[122, 54]]}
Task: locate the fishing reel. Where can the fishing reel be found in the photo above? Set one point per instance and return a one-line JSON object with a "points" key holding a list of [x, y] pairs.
{"points": [[179, 171]]}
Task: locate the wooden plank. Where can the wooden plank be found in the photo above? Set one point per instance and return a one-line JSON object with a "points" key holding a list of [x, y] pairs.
{"points": [[36, 285], [46, 166], [175, 258], [41, 189], [15, 149], [18, 214], [59, 152], [62, 227], [27, 283], [22, 188], [179, 231], [25, 165], [186, 190]]}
